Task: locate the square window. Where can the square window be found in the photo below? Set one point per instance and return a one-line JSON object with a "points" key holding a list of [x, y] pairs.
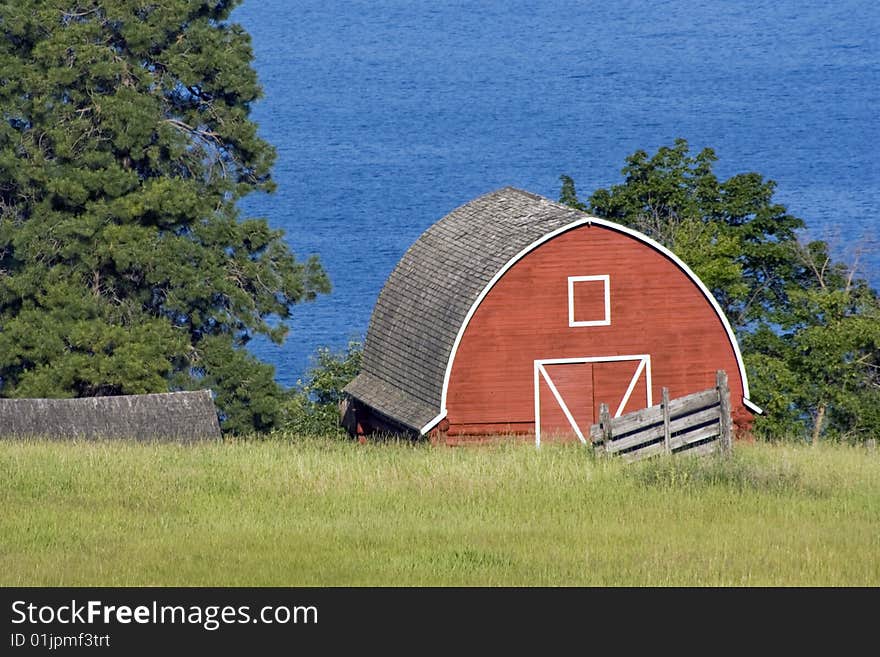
{"points": [[589, 300]]}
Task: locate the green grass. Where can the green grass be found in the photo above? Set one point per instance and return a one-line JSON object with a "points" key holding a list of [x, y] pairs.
{"points": [[328, 513]]}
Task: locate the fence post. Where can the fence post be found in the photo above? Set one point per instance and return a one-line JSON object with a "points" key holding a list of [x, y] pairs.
{"points": [[667, 434], [726, 420], [605, 425]]}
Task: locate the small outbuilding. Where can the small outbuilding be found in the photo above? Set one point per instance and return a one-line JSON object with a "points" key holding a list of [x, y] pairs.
{"points": [[185, 416], [515, 314]]}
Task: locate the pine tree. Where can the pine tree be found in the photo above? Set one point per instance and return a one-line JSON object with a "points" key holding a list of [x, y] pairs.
{"points": [[125, 144]]}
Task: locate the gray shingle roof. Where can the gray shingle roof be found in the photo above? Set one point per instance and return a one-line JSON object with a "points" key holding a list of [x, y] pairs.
{"points": [[428, 295], [179, 416]]}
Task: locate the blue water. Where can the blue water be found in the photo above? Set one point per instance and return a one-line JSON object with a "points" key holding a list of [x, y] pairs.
{"points": [[389, 114]]}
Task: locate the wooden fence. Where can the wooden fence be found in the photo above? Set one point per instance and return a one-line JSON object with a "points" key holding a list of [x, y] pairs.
{"points": [[699, 423]]}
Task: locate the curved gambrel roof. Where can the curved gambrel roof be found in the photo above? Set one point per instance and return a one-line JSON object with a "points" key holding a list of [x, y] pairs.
{"points": [[429, 298]]}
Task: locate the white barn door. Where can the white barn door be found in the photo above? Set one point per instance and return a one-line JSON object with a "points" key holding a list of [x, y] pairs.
{"points": [[568, 391]]}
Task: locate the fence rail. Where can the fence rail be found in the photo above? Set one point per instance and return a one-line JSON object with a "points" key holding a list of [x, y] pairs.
{"points": [[698, 423]]}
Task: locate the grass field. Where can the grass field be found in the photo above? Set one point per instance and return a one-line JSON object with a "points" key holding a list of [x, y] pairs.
{"points": [[327, 513]]}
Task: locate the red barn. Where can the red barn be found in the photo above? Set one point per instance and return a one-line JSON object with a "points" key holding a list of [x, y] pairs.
{"points": [[515, 314]]}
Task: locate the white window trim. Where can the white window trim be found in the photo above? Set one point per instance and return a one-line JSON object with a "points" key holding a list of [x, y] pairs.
{"points": [[606, 279], [644, 365]]}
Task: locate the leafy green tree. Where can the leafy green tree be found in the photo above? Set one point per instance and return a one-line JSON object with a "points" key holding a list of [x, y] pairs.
{"points": [[313, 407], [125, 144], [810, 328], [730, 232], [816, 363]]}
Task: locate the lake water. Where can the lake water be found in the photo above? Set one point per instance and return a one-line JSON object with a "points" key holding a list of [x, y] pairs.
{"points": [[388, 114]]}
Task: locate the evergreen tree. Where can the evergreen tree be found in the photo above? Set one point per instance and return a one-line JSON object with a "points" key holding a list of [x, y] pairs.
{"points": [[125, 144], [568, 194]]}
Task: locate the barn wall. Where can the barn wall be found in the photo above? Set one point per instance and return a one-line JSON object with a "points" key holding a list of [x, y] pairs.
{"points": [[655, 309]]}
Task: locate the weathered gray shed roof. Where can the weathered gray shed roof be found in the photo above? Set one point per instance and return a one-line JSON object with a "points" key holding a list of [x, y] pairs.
{"points": [[427, 297], [180, 416]]}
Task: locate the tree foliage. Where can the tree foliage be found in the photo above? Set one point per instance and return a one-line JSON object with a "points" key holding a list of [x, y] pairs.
{"points": [[312, 409], [736, 238], [816, 361], [125, 143], [809, 326]]}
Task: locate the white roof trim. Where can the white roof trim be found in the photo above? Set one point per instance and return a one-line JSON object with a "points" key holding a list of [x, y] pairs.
{"points": [[588, 220], [433, 422]]}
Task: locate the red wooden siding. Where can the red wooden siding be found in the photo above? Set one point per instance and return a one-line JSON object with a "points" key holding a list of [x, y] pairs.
{"points": [[656, 309], [574, 382]]}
